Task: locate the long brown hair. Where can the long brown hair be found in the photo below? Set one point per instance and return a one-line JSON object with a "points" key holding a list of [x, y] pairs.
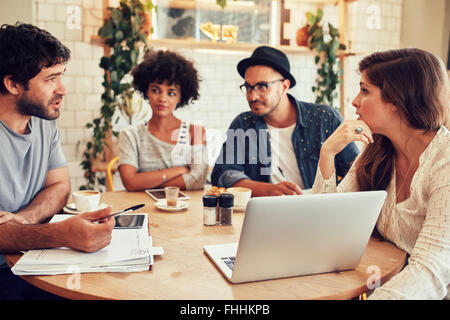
{"points": [[416, 82]]}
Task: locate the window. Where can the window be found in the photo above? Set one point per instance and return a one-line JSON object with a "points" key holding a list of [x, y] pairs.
{"points": [[247, 21]]}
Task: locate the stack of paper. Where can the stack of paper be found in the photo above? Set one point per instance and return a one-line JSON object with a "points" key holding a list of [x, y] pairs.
{"points": [[130, 250]]}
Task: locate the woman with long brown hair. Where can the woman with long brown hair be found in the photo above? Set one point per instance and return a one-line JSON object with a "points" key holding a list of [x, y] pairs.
{"points": [[403, 117]]}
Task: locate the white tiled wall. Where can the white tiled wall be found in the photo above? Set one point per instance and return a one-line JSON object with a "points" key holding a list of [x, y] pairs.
{"points": [[373, 25], [369, 32], [83, 76], [220, 99]]}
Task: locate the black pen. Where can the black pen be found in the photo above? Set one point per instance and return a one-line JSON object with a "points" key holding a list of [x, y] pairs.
{"points": [[282, 173], [124, 211]]}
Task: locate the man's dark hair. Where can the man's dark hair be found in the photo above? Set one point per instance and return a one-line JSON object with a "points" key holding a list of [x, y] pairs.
{"points": [[25, 50], [160, 66]]}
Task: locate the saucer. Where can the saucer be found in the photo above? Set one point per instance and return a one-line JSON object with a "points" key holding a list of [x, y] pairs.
{"points": [[236, 208], [162, 205], [70, 208]]}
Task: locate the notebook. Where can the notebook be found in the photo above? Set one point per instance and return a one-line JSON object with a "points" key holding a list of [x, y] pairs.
{"points": [[130, 250], [291, 236]]}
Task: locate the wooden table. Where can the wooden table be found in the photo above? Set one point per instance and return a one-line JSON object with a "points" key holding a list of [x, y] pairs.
{"points": [[185, 272]]}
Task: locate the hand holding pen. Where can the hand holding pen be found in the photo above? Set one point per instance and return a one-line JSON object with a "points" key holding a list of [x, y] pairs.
{"points": [[120, 212], [89, 231], [285, 187]]}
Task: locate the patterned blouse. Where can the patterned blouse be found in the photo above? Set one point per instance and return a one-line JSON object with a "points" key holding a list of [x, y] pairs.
{"points": [[419, 225]]}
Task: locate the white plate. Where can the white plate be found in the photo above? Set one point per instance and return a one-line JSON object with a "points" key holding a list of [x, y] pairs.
{"points": [[162, 205], [70, 208]]}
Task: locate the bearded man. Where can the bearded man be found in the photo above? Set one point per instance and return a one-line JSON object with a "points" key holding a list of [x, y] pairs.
{"points": [[34, 178], [274, 148]]}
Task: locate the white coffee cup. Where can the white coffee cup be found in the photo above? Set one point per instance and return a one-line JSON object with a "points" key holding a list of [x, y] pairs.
{"points": [[241, 195], [86, 200]]}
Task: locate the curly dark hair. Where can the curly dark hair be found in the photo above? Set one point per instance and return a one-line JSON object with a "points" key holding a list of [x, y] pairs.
{"points": [[160, 66], [25, 50]]}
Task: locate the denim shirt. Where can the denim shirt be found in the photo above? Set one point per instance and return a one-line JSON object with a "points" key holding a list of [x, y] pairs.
{"points": [[246, 152]]}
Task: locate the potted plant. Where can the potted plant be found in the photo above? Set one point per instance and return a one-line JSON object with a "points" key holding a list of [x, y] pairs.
{"points": [[324, 41], [302, 36]]}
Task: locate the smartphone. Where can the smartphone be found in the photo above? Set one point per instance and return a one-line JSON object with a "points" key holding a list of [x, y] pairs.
{"points": [[129, 221], [159, 194]]}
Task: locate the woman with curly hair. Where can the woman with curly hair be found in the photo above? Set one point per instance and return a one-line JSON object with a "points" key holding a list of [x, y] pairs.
{"points": [[403, 112], [165, 151]]}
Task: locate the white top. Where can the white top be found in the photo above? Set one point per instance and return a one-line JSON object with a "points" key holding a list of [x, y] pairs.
{"points": [[139, 148], [283, 156], [419, 225]]}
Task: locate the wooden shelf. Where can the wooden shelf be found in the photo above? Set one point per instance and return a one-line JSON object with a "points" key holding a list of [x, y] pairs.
{"points": [[207, 45], [210, 45], [222, 46], [97, 41], [219, 46]]}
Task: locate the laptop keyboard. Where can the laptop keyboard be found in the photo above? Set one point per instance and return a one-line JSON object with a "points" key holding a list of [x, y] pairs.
{"points": [[229, 261]]}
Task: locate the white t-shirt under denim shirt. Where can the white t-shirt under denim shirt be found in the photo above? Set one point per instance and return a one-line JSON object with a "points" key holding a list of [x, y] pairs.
{"points": [[139, 148], [283, 160], [25, 160], [419, 225]]}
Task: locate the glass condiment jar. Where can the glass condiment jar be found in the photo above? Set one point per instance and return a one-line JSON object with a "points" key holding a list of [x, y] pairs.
{"points": [[209, 210], [226, 203]]}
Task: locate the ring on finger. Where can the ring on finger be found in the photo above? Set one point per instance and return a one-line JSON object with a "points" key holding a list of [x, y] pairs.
{"points": [[359, 130]]}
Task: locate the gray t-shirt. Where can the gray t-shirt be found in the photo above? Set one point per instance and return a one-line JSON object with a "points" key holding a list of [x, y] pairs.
{"points": [[139, 148], [25, 160]]}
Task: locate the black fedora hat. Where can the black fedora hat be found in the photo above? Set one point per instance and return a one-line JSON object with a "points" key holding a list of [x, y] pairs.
{"points": [[268, 56]]}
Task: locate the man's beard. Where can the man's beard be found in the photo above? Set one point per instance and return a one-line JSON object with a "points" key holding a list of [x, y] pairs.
{"points": [[29, 108], [272, 107]]}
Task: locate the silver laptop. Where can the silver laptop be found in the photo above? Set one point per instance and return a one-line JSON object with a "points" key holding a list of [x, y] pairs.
{"points": [[299, 235]]}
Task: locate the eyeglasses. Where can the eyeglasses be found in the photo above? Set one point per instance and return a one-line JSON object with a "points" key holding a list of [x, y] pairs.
{"points": [[260, 87]]}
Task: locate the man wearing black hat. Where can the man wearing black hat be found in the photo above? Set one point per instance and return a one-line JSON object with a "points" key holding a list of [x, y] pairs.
{"points": [[274, 148]]}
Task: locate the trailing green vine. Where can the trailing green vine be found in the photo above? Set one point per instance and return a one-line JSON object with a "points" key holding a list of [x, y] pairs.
{"points": [[125, 32], [325, 42]]}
